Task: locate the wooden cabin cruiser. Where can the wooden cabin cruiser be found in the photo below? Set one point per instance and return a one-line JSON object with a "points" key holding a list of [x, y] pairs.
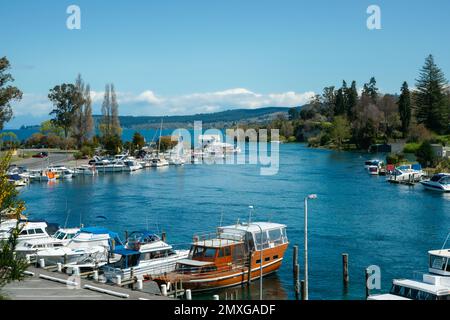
{"points": [[144, 254], [230, 256], [29, 230], [406, 173], [59, 239], [90, 246], [439, 182]]}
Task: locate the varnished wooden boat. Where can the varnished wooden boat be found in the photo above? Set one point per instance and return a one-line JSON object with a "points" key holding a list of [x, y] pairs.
{"points": [[230, 256]]}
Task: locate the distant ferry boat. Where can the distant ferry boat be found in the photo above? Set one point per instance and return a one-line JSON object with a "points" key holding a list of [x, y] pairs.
{"points": [[230, 256]]}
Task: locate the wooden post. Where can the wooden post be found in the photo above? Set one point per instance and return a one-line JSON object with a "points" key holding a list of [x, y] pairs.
{"points": [[249, 279], [163, 236], [346, 277], [366, 277], [303, 289], [297, 280]]}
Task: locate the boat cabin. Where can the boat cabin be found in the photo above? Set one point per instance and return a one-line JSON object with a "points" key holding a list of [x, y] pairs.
{"points": [[439, 262], [431, 288]]}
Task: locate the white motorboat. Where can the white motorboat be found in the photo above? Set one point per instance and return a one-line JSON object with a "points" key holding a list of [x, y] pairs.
{"points": [[158, 162], [29, 230], [61, 171], [434, 285], [37, 175], [406, 174], [213, 147], [131, 164], [17, 180], [373, 162], [439, 182], [176, 161], [59, 239], [90, 246], [85, 170], [145, 254]]}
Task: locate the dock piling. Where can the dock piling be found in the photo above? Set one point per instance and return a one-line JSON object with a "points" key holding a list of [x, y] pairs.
{"points": [[164, 290], [42, 263], [303, 289], [216, 297], [345, 274], [297, 280], [140, 284], [163, 236], [59, 264], [95, 275], [366, 277], [188, 294]]}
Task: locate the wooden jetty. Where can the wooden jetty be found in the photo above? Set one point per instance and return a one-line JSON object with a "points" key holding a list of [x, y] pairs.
{"points": [[45, 284]]}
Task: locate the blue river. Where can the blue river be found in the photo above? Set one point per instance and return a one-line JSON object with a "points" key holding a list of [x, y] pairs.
{"points": [[376, 223]]}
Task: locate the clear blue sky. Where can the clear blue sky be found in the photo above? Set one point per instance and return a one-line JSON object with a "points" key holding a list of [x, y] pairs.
{"points": [[174, 49]]}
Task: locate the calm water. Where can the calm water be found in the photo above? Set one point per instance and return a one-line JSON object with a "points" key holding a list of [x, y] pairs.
{"points": [[375, 222]]}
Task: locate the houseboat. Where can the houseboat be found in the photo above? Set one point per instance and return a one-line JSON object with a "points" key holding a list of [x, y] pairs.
{"points": [[144, 254], [439, 182], [230, 256]]}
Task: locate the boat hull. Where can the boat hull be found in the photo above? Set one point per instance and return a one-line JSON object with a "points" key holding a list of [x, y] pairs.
{"points": [[235, 276], [435, 187]]}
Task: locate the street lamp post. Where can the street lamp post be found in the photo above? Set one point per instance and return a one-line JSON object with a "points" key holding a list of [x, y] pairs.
{"points": [[311, 196]]}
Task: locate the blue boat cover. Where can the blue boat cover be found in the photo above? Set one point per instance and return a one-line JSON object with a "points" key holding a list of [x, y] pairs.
{"points": [[125, 252], [417, 166]]}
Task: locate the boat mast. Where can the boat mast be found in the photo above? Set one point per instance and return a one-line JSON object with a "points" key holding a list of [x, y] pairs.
{"points": [[159, 141]]}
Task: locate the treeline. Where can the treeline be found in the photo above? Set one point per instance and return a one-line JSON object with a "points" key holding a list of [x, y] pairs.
{"points": [[344, 118], [72, 125]]}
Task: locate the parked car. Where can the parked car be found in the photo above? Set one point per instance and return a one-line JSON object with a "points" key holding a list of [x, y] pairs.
{"points": [[40, 155]]}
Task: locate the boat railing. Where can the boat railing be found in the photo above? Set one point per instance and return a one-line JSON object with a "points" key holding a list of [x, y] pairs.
{"points": [[220, 237], [205, 271]]}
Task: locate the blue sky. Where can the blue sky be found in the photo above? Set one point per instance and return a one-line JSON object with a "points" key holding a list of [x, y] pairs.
{"points": [[182, 57]]}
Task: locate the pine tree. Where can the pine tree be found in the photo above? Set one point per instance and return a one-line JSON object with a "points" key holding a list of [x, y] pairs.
{"points": [[370, 90], [88, 120], [340, 105], [351, 100], [430, 100], [404, 108]]}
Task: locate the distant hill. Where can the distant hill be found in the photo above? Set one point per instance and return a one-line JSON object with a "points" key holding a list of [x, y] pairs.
{"points": [[216, 119]]}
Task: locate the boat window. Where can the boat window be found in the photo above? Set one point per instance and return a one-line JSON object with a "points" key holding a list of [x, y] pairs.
{"points": [[225, 252], [209, 269], [31, 231], [39, 231], [437, 262], [23, 232], [445, 180], [70, 235], [276, 236], [265, 241], [210, 253], [436, 178]]}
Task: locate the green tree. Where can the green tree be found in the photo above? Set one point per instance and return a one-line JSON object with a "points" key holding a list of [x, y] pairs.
{"points": [[166, 143], [404, 108], [370, 90], [425, 154], [105, 125], [293, 114], [82, 124], [115, 123], [8, 93], [340, 101], [49, 127], [351, 100], [11, 267], [431, 103], [340, 131], [67, 99], [138, 141]]}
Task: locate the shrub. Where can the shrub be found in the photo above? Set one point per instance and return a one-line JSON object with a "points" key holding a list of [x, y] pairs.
{"points": [[314, 141], [291, 139], [425, 155], [411, 147], [395, 158]]}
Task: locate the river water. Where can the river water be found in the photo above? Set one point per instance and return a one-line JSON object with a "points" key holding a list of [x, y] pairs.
{"points": [[376, 223]]}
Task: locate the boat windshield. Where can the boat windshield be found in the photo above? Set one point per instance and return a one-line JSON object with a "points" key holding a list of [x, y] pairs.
{"points": [[436, 178], [202, 252], [439, 263], [415, 294], [59, 235]]}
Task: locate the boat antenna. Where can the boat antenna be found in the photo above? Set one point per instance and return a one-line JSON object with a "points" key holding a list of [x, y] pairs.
{"points": [[221, 218], [445, 242], [250, 214]]}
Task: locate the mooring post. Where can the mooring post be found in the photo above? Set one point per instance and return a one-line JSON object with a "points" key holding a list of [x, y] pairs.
{"points": [[367, 282], [295, 258], [249, 279], [126, 235], [346, 277], [163, 236], [216, 297], [164, 290], [297, 280], [303, 289], [188, 294]]}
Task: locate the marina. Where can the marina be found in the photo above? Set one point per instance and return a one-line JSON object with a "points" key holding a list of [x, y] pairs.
{"points": [[181, 201]]}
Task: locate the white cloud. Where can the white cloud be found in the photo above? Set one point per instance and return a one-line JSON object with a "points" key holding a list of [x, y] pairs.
{"points": [[149, 103]]}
